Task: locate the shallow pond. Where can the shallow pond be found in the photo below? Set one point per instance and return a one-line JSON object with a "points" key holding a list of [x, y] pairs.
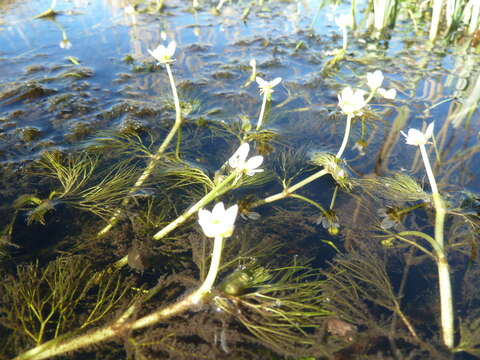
{"points": [[84, 106]]}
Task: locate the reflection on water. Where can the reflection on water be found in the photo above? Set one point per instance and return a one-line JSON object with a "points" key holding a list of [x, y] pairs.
{"points": [[85, 74]]}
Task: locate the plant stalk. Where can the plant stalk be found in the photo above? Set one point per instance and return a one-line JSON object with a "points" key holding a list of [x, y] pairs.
{"points": [[444, 281], [262, 111], [121, 326], [217, 191], [154, 159]]}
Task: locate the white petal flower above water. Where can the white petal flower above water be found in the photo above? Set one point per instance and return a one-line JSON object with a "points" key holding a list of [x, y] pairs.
{"points": [[239, 160], [164, 54], [375, 79], [65, 44], [218, 222], [388, 94], [344, 21], [266, 87], [352, 101], [416, 137]]}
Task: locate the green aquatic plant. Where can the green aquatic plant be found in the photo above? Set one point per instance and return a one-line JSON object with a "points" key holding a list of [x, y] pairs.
{"points": [[343, 22], [420, 139], [280, 306], [384, 13], [356, 279], [218, 224], [266, 89], [397, 188], [40, 304], [81, 185], [49, 13], [164, 56]]}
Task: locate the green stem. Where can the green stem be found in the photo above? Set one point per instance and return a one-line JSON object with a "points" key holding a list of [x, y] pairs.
{"points": [[422, 235], [446, 301], [334, 196], [262, 111], [410, 208], [428, 169], [444, 281], [345, 38], [345, 137], [413, 243], [216, 191], [121, 326], [153, 160], [291, 189], [178, 111], [311, 202], [212, 272]]}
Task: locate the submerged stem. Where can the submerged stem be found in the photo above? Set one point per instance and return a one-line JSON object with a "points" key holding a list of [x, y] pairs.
{"points": [[121, 326], [212, 272], [154, 159], [444, 281], [291, 189], [216, 191], [262, 111], [345, 137]]}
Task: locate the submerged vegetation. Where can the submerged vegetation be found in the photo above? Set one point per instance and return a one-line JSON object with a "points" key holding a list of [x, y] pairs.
{"points": [[328, 215]]}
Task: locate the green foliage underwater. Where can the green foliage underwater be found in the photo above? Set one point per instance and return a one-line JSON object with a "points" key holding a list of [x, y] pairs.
{"points": [[239, 179]]}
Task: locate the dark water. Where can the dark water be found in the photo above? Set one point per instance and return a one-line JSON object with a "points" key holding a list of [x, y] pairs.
{"points": [[69, 79]]}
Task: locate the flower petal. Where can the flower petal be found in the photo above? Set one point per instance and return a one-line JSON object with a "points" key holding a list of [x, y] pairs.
{"points": [[429, 131], [171, 49], [218, 210], [239, 157], [254, 162], [261, 82], [275, 82], [390, 94], [231, 214]]}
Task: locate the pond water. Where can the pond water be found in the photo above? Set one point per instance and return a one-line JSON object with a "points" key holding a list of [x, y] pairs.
{"points": [[73, 80]]}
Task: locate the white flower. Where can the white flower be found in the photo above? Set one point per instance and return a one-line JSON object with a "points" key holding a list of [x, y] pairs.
{"points": [[164, 54], [129, 10], [218, 222], [375, 79], [65, 44], [360, 146], [416, 137], [351, 102], [344, 21], [329, 221], [239, 160], [389, 218], [266, 87], [388, 94]]}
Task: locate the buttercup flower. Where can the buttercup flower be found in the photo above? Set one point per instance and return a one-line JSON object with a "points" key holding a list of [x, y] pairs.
{"points": [[375, 79], [239, 160], [219, 222], [416, 137], [387, 94], [164, 54], [266, 87], [351, 102]]}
